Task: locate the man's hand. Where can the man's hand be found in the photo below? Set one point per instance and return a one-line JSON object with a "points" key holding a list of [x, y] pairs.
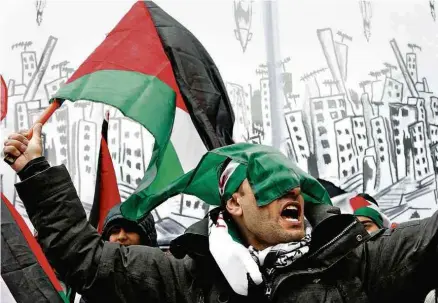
{"points": [[25, 150]]}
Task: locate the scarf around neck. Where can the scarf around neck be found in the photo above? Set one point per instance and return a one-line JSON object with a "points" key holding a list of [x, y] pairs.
{"points": [[243, 266]]}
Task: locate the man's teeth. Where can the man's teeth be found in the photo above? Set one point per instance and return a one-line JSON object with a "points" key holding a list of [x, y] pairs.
{"points": [[291, 219], [291, 207]]}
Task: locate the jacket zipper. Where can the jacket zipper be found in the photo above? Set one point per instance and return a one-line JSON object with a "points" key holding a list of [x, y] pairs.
{"points": [[273, 289]]}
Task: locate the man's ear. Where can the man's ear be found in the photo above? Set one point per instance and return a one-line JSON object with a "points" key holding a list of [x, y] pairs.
{"points": [[233, 206]]}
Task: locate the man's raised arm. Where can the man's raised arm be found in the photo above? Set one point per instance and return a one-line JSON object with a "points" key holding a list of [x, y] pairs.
{"points": [[103, 271]]}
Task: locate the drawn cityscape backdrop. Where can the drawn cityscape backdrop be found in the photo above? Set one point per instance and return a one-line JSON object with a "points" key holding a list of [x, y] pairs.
{"points": [[379, 135]]}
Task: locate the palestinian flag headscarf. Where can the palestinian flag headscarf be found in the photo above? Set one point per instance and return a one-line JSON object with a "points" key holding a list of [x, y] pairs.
{"points": [[218, 175], [366, 206]]}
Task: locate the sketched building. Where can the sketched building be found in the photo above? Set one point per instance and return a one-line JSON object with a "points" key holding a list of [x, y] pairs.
{"points": [[53, 86], [132, 162], [433, 133], [383, 160], [266, 111], [421, 110], [346, 148], [324, 111], [411, 65], [434, 153], [191, 210], [86, 159], [29, 66], [298, 138], [360, 139], [242, 110], [434, 108], [418, 141], [21, 116], [401, 116]]}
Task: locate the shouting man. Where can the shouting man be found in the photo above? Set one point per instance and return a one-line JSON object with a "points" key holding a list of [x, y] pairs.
{"points": [[252, 247]]}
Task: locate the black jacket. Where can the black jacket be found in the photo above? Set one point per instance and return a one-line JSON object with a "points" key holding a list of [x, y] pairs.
{"points": [[344, 264]]}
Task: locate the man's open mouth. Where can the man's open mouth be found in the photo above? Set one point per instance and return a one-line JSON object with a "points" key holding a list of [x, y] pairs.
{"points": [[291, 212]]}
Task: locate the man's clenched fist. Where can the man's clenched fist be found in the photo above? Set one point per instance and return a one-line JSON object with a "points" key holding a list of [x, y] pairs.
{"points": [[25, 150]]}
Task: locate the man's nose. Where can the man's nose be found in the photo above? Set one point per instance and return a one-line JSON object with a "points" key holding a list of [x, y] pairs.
{"points": [[122, 235]]}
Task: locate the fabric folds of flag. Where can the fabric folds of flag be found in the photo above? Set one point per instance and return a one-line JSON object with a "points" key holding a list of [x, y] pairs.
{"points": [[157, 73], [106, 194], [24, 267], [3, 98]]}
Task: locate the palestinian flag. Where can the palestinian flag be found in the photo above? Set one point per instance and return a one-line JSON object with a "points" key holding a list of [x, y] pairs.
{"points": [[3, 98], [24, 267], [106, 194], [157, 73]]}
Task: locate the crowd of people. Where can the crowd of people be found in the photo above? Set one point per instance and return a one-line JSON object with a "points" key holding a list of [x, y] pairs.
{"points": [[274, 236]]}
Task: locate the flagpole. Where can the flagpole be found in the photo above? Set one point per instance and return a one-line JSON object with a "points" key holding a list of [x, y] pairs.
{"points": [[270, 22]]}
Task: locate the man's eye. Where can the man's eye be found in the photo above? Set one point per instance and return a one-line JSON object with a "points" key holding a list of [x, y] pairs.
{"points": [[115, 230]]}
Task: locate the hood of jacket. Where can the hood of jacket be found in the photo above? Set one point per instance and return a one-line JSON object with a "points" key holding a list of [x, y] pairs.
{"points": [[144, 227]]}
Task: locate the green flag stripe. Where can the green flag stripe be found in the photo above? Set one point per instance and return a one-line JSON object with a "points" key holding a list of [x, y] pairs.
{"points": [[143, 98]]}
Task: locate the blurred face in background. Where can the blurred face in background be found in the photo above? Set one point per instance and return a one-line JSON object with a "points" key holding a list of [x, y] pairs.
{"points": [[124, 236]]}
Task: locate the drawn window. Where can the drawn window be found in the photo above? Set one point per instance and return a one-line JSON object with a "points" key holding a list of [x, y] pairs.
{"points": [[379, 131], [115, 126], [339, 132], [26, 66], [295, 129], [404, 112], [126, 134], [114, 155], [196, 204], [421, 137], [128, 178], [322, 130], [341, 147], [327, 158], [54, 87], [398, 151], [355, 123], [319, 118], [348, 146], [343, 114], [341, 103], [331, 103], [188, 202], [360, 148], [359, 136], [345, 173], [421, 150], [350, 156], [425, 170], [137, 181], [88, 169], [419, 128], [415, 151], [381, 148], [342, 159], [353, 170], [137, 152], [325, 143], [86, 137], [113, 141], [301, 147], [361, 124], [377, 123], [424, 160], [24, 59], [396, 132], [31, 59], [292, 118], [268, 123], [128, 162], [419, 172], [299, 138], [318, 105], [138, 166], [389, 94], [137, 134], [87, 147], [390, 83], [347, 131], [398, 95], [334, 115], [382, 158], [128, 151]]}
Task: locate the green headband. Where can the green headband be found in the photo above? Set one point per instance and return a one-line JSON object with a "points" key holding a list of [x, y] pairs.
{"points": [[270, 174], [373, 214]]}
